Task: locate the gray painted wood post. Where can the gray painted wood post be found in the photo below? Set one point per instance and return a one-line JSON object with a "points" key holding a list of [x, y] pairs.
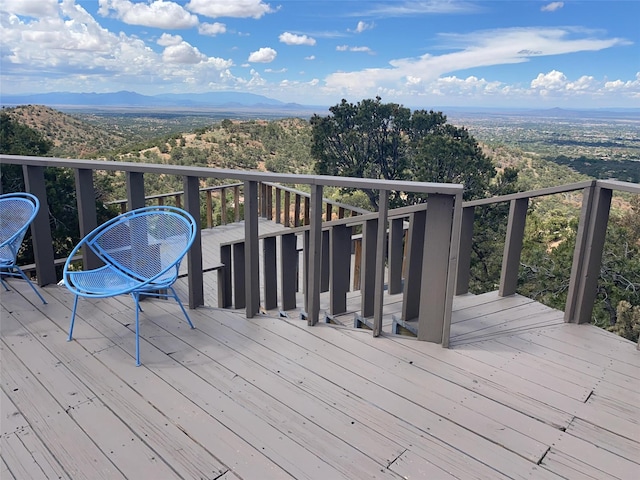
{"points": [[195, 275], [270, 273], [296, 211], [513, 247], [381, 244], [223, 206], [289, 269], [40, 227], [325, 265], [435, 267], [368, 268], [464, 254], [454, 249], [236, 203], [396, 255], [278, 205], [87, 216], [413, 273], [590, 256], [224, 278], [340, 254], [315, 254], [287, 208], [252, 254], [135, 190], [239, 285]]}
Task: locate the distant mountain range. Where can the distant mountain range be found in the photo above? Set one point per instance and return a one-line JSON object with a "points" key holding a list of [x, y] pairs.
{"points": [[249, 102], [133, 99]]}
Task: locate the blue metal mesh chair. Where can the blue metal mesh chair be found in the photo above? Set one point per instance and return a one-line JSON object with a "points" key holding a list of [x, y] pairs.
{"points": [[141, 251], [17, 211]]}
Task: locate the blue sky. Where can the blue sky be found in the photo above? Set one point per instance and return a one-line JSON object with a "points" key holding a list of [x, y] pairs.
{"points": [[423, 54]]}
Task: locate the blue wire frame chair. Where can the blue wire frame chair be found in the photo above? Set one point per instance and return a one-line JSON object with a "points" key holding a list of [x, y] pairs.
{"points": [[141, 251], [17, 211]]}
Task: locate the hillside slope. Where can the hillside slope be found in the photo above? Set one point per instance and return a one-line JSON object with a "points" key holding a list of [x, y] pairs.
{"points": [[71, 137]]}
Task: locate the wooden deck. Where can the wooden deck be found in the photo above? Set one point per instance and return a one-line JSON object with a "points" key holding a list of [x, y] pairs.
{"points": [[519, 395]]}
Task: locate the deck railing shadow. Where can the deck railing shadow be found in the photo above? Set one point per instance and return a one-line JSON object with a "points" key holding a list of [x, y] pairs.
{"points": [[422, 252]]}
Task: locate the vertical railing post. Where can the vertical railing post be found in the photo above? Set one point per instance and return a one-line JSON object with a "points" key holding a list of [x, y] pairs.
{"points": [[269, 202], [224, 277], [87, 216], [315, 253], [325, 264], [287, 208], [289, 270], [223, 206], [368, 265], [296, 211], [396, 253], [270, 273], [464, 255], [413, 275], [513, 247], [236, 203], [40, 227], [587, 258], [278, 205], [340, 256], [252, 257], [194, 256], [381, 243], [435, 267], [209, 202], [135, 190]]}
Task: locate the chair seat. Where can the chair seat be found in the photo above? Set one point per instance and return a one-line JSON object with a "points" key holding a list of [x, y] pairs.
{"points": [[108, 281]]}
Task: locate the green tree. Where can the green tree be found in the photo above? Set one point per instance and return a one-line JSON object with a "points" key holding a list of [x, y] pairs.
{"points": [[387, 141]]}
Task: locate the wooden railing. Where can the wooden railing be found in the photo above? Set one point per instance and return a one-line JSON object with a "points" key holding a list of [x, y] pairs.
{"points": [[432, 240], [441, 241], [277, 206]]}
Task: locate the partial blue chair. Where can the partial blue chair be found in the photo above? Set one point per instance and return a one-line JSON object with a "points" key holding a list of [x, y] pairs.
{"points": [[17, 211], [141, 251]]}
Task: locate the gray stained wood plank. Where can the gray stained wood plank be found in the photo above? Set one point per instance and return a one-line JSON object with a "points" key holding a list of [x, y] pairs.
{"points": [[519, 396]]}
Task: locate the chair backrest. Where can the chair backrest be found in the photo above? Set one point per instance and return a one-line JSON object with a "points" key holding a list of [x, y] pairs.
{"points": [[17, 211], [146, 243]]}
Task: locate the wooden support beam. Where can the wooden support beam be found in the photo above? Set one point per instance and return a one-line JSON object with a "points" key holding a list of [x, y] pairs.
{"points": [[40, 227], [513, 247], [194, 256], [315, 254], [252, 263], [87, 216], [381, 244]]}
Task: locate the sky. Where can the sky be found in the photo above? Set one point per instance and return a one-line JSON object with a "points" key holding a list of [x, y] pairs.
{"points": [[422, 54]]}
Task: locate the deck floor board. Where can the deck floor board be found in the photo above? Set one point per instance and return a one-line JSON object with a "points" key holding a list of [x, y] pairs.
{"points": [[519, 395]]}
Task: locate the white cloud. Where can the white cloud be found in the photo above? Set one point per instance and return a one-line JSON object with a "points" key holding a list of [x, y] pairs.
{"points": [[263, 55], [212, 29], [230, 8], [30, 8], [310, 57], [166, 39], [158, 13], [293, 39], [552, 7], [476, 49], [183, 53], [553, 80], [347, 48], [73, 52], [271, 70], [362, 26]]}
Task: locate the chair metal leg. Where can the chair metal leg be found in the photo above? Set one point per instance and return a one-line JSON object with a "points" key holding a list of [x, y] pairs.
{"points": [[181, 306], [137, 299], [73, 318], [22, 274], [4, 284]]}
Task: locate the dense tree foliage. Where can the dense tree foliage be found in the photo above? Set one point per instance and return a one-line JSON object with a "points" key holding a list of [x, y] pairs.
{"points": [[18, 139], [387, 141]]}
